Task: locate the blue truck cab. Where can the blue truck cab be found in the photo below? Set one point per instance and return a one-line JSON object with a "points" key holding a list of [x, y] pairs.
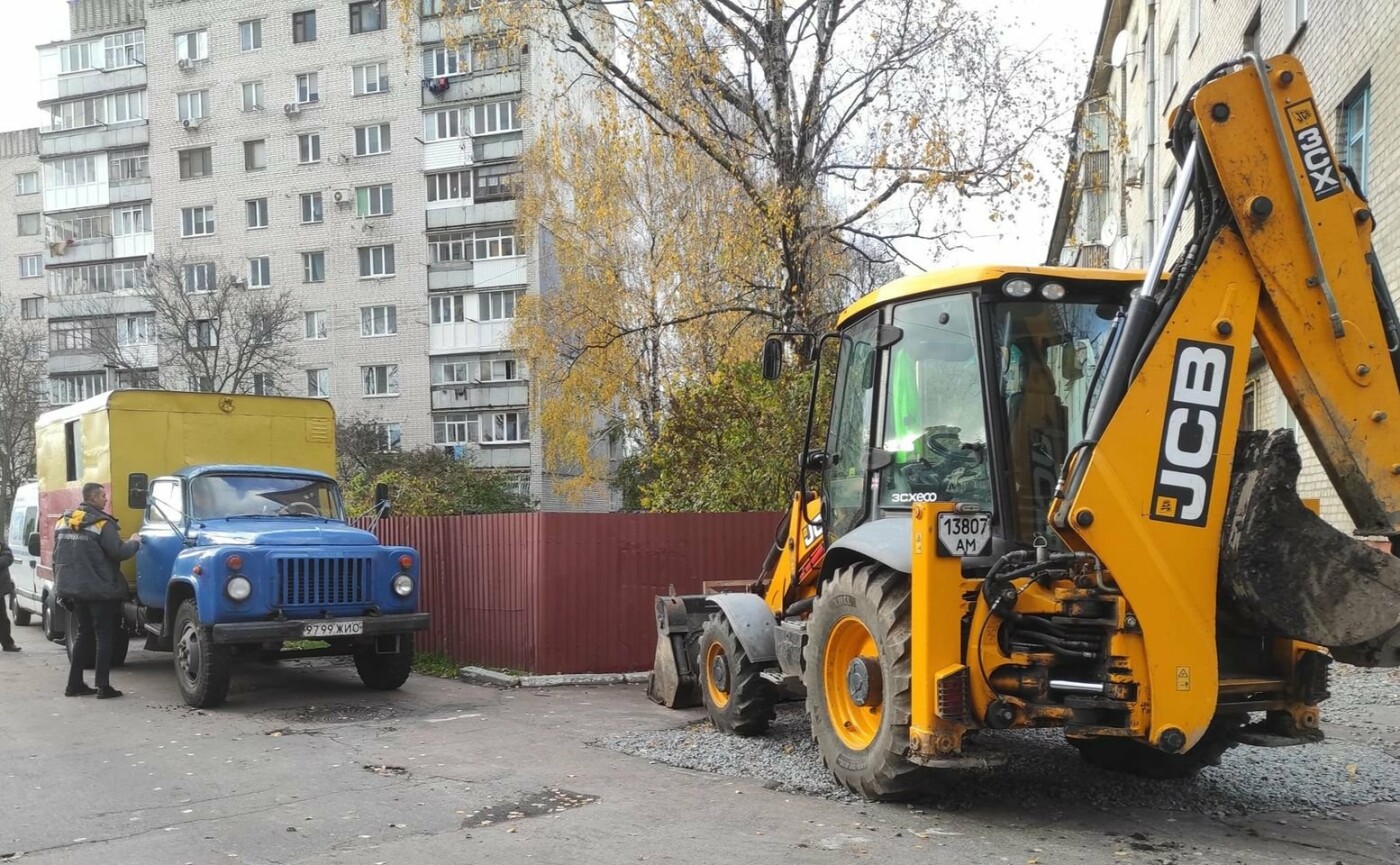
{"points": [[240, 560]]}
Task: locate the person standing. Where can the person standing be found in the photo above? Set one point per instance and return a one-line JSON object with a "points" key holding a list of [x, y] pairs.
{"points": [[88, 550], [7, 588]]}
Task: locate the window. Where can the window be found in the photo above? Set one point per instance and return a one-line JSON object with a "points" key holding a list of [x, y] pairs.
{"points": [[492, 54], [1356, 132], [128, 276], [132, 220], [366, 16], [204, 333], [192, 45], [27, 183], [79, 334], [1193, 25], [450, 186], [497, 305], [447, 309], [194, 104], [309, 148], [391, 437], [31, 308], [198, 162], [136, 330], [253, 96], [311, 208], [249, 35], [124, 107], [75, 387], [381, 380], [376, 261], [87, 226], [31, 266], [145, 379], [495, 117], [1169, 71], [317, 324], [496, 243], [73, 171], [260, 272], [1251, 32], [370, 78], [433, 7], [197, 221], [308, 88], [444, 246], [475, 371], [198, 278], [313, 266], [451, 429], [1249, 412], [442, 62], [120, 50], [255, 155], [85, 279], [29, 224], [497, 182], [304, 26], [264, 384], [76, 114], [75, 58], [1295, 15], [128, 165], [370, 140], [257, 212], [378, 321], [200, 384], [442, 124], [503, 426], [318, 382], [374, 200]]}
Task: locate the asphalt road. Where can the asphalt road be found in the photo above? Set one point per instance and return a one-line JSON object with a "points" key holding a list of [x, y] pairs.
{"points": [[303, 765]]}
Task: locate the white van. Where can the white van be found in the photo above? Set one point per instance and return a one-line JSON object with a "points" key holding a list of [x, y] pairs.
{"points": [[29, 590]]}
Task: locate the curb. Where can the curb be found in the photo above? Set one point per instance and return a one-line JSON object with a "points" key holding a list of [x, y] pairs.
{"points": [[493, 678]]}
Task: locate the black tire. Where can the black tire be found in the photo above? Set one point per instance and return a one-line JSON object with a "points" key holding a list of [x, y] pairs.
{"points": [[22, 617], [738, 699], [202, 669], [878, 599], [385, 671], [49, 621], [1138, 758]]}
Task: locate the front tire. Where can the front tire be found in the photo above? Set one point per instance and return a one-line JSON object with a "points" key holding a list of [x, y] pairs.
{"points": [[49, 621], [1132, 757], [857, 673], [739, 700], [202, 669], [385, 671]]}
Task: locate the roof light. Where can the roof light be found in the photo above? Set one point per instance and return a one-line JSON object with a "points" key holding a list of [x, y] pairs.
{"points": [[1052, 291], [1017, 287]]}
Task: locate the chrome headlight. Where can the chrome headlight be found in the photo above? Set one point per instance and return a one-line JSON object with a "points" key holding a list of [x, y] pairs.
{"points": [[1017, 287], [1052, 291], [402, 585], [238, 588]]}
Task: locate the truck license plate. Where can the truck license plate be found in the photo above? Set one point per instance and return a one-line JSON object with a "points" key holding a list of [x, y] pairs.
{"points": [[347, 628], [964, 534]]}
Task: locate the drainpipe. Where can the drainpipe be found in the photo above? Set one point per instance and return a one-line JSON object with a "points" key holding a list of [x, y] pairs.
{"points": [[1149, 128]]}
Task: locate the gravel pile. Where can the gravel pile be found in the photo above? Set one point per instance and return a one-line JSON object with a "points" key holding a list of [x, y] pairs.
{"points": [[1042, 769]]}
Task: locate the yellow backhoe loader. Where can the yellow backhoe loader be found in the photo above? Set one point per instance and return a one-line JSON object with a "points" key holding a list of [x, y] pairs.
{"points": [[1038, 508]]}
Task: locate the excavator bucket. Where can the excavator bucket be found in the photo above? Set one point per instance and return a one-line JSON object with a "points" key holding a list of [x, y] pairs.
{"points": [[1284, 572]]}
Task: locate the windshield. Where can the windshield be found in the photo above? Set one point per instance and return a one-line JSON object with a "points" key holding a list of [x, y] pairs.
{"points": [[1048, 353], [220, 496]]}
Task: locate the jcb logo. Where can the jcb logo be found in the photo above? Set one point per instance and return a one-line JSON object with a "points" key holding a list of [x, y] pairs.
{"points": [[1312, 147], [1191, 433], [812, 532]]}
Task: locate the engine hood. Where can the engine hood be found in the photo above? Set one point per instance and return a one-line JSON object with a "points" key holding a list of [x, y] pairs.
{"points": [[289, 532]]}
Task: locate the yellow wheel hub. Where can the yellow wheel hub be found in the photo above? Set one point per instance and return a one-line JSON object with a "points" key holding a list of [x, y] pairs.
{"points": [[717, 675], [853, 683]]}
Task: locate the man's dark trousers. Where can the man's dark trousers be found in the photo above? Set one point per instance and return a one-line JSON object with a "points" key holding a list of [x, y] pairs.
{"points": [[93, 619]]}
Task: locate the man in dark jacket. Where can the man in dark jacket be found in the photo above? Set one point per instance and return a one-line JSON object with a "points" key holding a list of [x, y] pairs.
{"points": [[87, 551], [7, 588]]}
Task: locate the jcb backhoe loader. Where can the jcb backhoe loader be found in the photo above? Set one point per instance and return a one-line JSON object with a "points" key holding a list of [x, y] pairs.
{"points": [[1038, 508]]}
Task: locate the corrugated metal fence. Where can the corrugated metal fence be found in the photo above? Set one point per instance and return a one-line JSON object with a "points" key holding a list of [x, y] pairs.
{"points": [[568, 593]]}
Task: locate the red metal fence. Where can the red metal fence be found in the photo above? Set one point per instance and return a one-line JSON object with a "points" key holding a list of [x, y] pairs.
{"points": [[568, 593]]}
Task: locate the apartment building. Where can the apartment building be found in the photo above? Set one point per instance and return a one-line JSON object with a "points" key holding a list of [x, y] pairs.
{"points": [[21, 225], [297, 145], [1111, 209]]}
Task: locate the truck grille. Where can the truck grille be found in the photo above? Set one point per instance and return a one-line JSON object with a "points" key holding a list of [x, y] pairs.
{"points": [[303, 582]]}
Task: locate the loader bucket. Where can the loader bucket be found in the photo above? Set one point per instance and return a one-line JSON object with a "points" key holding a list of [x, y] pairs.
{"points": [[1284, 572], [675, 679]]}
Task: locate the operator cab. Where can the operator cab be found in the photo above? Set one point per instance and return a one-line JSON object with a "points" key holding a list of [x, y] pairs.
{"points": [[971, 385]]}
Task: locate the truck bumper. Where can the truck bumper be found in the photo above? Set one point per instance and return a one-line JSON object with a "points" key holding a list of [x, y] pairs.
{"points": [[291, 629]]}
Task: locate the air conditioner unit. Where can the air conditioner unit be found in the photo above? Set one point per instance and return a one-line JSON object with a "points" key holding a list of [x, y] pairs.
{"points": [[339, 196], [343, 199], [184, 63], [291, 108], [238, 281], [192, 123]]}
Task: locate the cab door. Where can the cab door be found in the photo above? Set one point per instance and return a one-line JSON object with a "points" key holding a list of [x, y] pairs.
{"points": [[163, 534]]}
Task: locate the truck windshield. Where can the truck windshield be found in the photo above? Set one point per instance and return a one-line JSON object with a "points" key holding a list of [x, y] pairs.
{"points": [[215, 497]]}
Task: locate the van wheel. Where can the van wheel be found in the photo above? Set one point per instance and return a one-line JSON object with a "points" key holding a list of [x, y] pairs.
{"points": [[49, 621], [21, 616], [202, 669], [385, 671]]}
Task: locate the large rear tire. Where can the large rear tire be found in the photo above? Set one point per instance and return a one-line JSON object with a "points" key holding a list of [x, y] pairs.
{"points": [[1138, 758], [739, 700], [385, 671], [202, 669], [857, 674]]}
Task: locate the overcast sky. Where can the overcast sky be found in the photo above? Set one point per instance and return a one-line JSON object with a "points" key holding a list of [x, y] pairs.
{"points": [[42, 21]]}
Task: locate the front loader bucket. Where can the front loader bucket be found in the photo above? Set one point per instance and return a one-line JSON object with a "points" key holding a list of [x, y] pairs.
{"points": [[675, 678], [1284, 572]]}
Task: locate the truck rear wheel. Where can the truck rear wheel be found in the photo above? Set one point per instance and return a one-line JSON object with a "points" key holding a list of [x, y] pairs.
{"points": [[1138, 758], [857, 674], [739, 700], [49, 621], [202, 669], [385, 671], [21, 616]]}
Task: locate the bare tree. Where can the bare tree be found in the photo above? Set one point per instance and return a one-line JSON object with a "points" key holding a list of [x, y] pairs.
{"points": [[210, 331], [23, 371]]}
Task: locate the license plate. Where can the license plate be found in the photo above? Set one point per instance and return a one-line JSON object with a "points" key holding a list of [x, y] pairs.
{"points": [[964, 534], [347, 628]]}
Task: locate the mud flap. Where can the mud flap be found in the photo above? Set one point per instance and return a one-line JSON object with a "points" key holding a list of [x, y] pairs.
{"points": [[1284, 572]]}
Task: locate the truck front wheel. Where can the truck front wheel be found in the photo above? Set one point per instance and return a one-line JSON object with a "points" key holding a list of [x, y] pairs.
{"points": [[385, 671], [202, 669]]}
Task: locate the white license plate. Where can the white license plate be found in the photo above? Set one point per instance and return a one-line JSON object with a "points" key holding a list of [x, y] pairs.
{"points": [[964, 534], [347, 628]]}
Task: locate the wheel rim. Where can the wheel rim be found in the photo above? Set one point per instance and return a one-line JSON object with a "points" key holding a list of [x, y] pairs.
{"points": [[850, 646], [717, 675], [187, 653]]}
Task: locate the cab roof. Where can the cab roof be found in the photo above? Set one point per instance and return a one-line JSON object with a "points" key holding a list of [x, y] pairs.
{"points": [[960, 277], [265, 471]]}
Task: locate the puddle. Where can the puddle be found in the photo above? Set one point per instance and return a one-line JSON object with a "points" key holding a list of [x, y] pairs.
{"points": [[338, 714], [547, 801]]}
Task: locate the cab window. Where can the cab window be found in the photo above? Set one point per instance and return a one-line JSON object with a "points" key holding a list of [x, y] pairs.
{"points": [[167, 503], [848, 440]]}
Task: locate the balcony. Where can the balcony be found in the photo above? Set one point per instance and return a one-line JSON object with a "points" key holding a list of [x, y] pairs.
{"points": [[506, 394], [98, 303], [448, 153], [83, 196], [93, 138], [501, 145], [59, 253], [127, 191], [501, 272], [478, 85], [461, 336], [74, 85], [449, 275], [468, 213]]}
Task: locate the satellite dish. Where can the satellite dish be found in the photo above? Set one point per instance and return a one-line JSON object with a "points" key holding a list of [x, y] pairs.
{"points": [[1119, 252], [1120, 50], [1108, 232]]}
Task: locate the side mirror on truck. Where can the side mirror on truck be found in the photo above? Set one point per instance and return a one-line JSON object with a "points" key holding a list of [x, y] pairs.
{"points": [[772, 358], [381, 500], [137, 484], [33, 543]]}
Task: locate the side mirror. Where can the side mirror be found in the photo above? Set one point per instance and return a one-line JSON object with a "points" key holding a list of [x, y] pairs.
{"points": [[137, 485], [772, 358], [33, 543], [815, 461], [381, 499]]}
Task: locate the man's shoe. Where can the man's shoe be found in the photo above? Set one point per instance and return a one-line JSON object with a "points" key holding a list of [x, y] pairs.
{"points": [[11, 648], [108, 693], [80, 691]]}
